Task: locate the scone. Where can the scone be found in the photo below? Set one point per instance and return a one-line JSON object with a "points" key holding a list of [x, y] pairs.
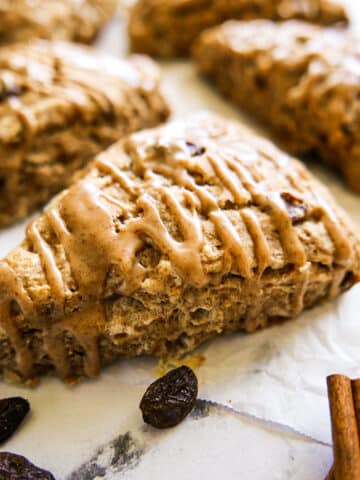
{"points": [[61, 104], [22, 20], [300, 80], [173, 236], [167, 28]]}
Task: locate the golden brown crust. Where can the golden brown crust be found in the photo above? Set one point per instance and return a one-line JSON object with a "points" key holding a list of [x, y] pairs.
{"points": [[60, 105], [75, 20], [175, 234], [167, 28], [300, 80]]}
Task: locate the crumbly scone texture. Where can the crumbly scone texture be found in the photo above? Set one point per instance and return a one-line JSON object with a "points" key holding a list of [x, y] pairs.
{"points": [[302, 81], [60, 105], [173, 236], [76, 20], [167, 28]]}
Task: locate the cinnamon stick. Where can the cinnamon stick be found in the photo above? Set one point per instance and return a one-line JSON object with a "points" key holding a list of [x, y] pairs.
{"points": [[331, 474], [344, 428], [355, 386]]}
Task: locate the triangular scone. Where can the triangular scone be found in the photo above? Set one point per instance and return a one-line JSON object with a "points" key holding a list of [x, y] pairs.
{"points": [[167, 28], [60, 105], [80, 21], [174, 235], [301, 80]]}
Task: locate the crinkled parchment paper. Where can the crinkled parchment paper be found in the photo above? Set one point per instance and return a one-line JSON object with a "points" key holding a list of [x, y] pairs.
{"points": [[264, 411]]}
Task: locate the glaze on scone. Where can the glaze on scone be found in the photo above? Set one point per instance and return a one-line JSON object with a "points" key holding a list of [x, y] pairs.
{"points": [[167, 28], [60, 105], [300, 80], [173, 236], [77, 20]]}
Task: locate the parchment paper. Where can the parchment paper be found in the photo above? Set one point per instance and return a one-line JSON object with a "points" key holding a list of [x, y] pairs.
{"points": [[264, 411]]}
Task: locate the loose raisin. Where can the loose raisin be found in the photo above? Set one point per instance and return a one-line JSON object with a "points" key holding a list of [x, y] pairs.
{"points": [[16, 467], [170, 399], [12, 413]]}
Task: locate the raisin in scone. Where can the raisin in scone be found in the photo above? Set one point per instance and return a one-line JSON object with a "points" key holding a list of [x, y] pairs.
{"points": [[173, 235], [167, 28], [61, 104], [300, 80], [77, 20]]}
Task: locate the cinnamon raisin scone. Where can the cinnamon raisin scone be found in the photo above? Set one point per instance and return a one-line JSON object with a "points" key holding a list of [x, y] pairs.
{"points": [[300, 80], [173, 236], [61, 104], [167, 28], [75, 20]]}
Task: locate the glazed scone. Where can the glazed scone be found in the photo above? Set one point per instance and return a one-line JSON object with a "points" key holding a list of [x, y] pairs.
{"points": [[173, 236], [167, 28], [302, 81], [80, 21], [60, 105]]}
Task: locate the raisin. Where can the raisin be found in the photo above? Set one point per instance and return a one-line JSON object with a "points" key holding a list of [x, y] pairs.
{"points": [[295, 207], [195, 150], [16, 467], [12, 413], [170, 399], [10, 92], [349, 280]]}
